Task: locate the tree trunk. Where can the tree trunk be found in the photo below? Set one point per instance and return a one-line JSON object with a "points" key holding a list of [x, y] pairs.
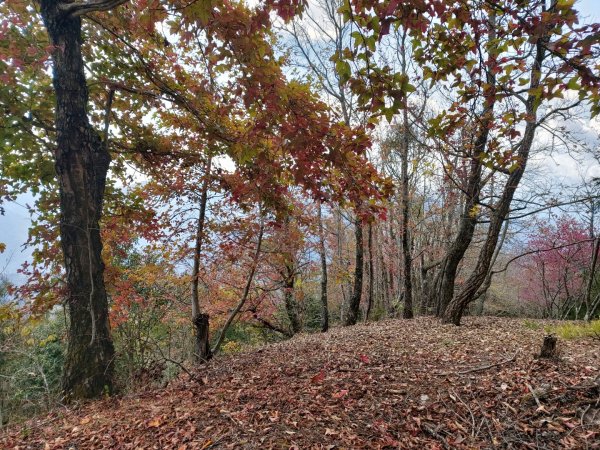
{"points": [[456, 308], [468, 220], [201, 337], [82, 162], [407, 312], [291, 306], [200, 321], [466, 229], [323, 255], [351, 316], [371, 273], [590, 284], [288, 279]]}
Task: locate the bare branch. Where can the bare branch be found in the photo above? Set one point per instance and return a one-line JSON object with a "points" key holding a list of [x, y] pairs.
{"points": [[76, 9]]}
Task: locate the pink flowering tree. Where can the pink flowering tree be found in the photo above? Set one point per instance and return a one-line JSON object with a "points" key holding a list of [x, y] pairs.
{"points": [[556, 267]]}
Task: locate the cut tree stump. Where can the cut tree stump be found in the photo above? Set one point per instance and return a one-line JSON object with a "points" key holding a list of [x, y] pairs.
{"points": [[549, 347]]}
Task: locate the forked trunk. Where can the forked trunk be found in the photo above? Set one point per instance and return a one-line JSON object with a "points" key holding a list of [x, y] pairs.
{"points": [[456, 308]]}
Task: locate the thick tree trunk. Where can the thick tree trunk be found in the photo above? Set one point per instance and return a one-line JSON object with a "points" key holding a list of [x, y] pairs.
{"points": [[323, 255], [200, 321], [82, 162], [201, 337], [291, 306], [351, 316], [464, 236], [468, 220]]}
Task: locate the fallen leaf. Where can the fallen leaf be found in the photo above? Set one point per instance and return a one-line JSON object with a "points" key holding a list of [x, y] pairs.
{"points": [[154, 423], [318, 377]]}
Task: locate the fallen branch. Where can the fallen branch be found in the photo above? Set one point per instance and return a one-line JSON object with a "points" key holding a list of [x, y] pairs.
{"points": [[534, 395], [489, 366]]}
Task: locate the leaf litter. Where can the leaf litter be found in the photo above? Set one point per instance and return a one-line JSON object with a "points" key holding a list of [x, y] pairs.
{"points": [[392, 384]]}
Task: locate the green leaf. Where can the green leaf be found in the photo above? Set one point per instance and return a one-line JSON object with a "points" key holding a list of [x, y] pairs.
{"points": [[343, 69]]}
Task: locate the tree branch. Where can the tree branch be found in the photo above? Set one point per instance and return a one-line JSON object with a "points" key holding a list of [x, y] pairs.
{"points": [[76, 9]]}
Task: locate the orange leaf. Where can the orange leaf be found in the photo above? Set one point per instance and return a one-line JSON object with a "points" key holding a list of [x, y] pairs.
{"points": [[154, 423], [340, 394]]}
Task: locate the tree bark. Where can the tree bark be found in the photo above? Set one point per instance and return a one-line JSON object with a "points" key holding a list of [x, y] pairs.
{"points": [[288, 275], [352, 312], [371, 273], [200, 321], [291, 306], [323, 255], [407, 312], [588, 291], [456, 308], [81, 162], [466, 226]]}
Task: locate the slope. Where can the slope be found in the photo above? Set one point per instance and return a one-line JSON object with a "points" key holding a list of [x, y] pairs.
{"points": [[392, 384]]}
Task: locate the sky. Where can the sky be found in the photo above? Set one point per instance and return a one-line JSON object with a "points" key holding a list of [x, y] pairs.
{"points": [[15, 222]]}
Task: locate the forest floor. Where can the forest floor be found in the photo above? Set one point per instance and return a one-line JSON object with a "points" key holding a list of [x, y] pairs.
{"points": [[391, 384]]}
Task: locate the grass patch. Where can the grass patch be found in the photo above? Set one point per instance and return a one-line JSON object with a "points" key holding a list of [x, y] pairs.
{"points": [[574, 330], [532, 325]]}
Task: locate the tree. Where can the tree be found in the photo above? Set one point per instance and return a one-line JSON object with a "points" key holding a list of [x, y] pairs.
{"points": [[556, 265], [82, 161], [490, 79], [271, 128], [316, 56], [323, 258]]}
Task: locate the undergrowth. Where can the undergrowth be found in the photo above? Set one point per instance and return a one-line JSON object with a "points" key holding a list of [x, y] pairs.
{"points": [[574, 330]]}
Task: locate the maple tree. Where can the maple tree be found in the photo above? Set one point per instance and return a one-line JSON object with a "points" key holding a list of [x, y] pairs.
{"points": [[255, 123]]}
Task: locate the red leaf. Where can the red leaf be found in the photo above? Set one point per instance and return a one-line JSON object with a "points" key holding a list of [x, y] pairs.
{"points": [[318, 377]]}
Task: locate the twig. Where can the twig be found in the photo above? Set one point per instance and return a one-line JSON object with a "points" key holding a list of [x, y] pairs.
{"points": [[536, 398], [584, 413], [489, 366], [473, 422], [178, 364], [433, 433]]}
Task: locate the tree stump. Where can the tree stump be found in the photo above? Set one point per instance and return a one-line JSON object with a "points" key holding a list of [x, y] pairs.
{"points": [[202, 350], [549, 347]]}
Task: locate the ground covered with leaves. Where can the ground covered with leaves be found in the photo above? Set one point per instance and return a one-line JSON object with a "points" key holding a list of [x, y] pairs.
{"points": [[393, 384]]}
